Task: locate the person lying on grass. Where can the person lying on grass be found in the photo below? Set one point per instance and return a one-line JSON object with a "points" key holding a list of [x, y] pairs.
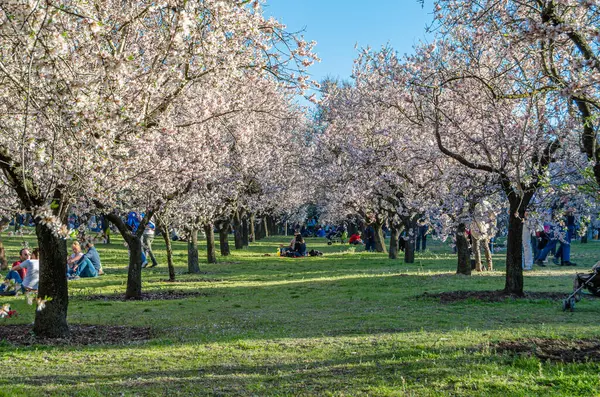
{"points": [[32, 276]]}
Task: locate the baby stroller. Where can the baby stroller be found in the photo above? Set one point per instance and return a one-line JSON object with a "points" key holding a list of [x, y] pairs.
{"points": [[339, 235], [590, 281], [334, 236]]}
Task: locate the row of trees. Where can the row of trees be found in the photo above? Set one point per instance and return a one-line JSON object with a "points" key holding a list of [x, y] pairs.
{"points": [[184, 109], [181, 108], [499, 111]]}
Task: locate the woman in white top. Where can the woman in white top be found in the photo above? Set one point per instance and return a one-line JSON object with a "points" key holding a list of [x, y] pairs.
{"points": [[76, 255], [32, 278]]}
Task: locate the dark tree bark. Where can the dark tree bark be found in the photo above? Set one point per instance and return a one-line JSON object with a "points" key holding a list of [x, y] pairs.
{"points": [[51, 322], [259, 229], [134, 275], [245, 235], [251, 224], [462, 248], [134, 242], [211, 255], [106, 229], [352, 229], [167, 237], [410, 239], [193, 261], [379, 237], [224, 238], [394, 243], [514, 241], [273, 229], [237, 234]]}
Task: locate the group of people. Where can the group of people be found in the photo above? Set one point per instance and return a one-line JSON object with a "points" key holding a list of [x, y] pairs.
{"points": [[537, 246], [368, 241], [24, 272]]}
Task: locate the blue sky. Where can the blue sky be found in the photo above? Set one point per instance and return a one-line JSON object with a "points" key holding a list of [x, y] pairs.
{"points": [[337, 25]]}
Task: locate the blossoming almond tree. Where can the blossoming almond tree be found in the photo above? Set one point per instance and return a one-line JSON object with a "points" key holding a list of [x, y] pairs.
{"points": [[83, 81], [555, 44]]}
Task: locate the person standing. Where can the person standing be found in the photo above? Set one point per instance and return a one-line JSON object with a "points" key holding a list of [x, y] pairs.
{"points": [[422, 230], [147, 239]]}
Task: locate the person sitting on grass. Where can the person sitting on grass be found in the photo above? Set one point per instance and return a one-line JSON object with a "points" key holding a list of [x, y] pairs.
{"points": [[75, 256], [32, 275], [355, 239], [299, 247], [94, 257], [291, 247], [24, 254], [78, 265]]}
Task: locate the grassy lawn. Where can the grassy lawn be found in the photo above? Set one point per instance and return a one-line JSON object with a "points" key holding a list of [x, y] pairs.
{"points": [[347, 323]]}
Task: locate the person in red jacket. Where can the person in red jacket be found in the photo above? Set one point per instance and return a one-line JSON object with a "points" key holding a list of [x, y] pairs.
{"points": [[24, 255], [355, 239]]}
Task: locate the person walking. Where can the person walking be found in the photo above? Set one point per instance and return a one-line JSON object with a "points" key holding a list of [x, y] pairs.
{"points": [[147, 239]]}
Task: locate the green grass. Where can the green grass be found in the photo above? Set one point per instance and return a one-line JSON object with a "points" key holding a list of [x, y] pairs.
{"points": [[348, 323]]}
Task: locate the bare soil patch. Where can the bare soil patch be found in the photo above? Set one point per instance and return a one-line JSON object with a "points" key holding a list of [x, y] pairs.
{"points": [[146, 296], [80, 335], [559, 350], [491, 296]]}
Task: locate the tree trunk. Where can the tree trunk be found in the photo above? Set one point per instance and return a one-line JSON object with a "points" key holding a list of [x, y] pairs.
{"points": [[51, 322], [462, 248], [379, 237], [3, 261], [245, 235], [410, 240], [193, 261], [259, 229], [514, 269], [252, 236], [265, 222], [167, 237], [134, 275], [488, 254], [352, 229], [134, 242], [237, 235], [211, 255], [224, 239], [394, 243], [477, 254], [274, 231], [106, 229]]}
